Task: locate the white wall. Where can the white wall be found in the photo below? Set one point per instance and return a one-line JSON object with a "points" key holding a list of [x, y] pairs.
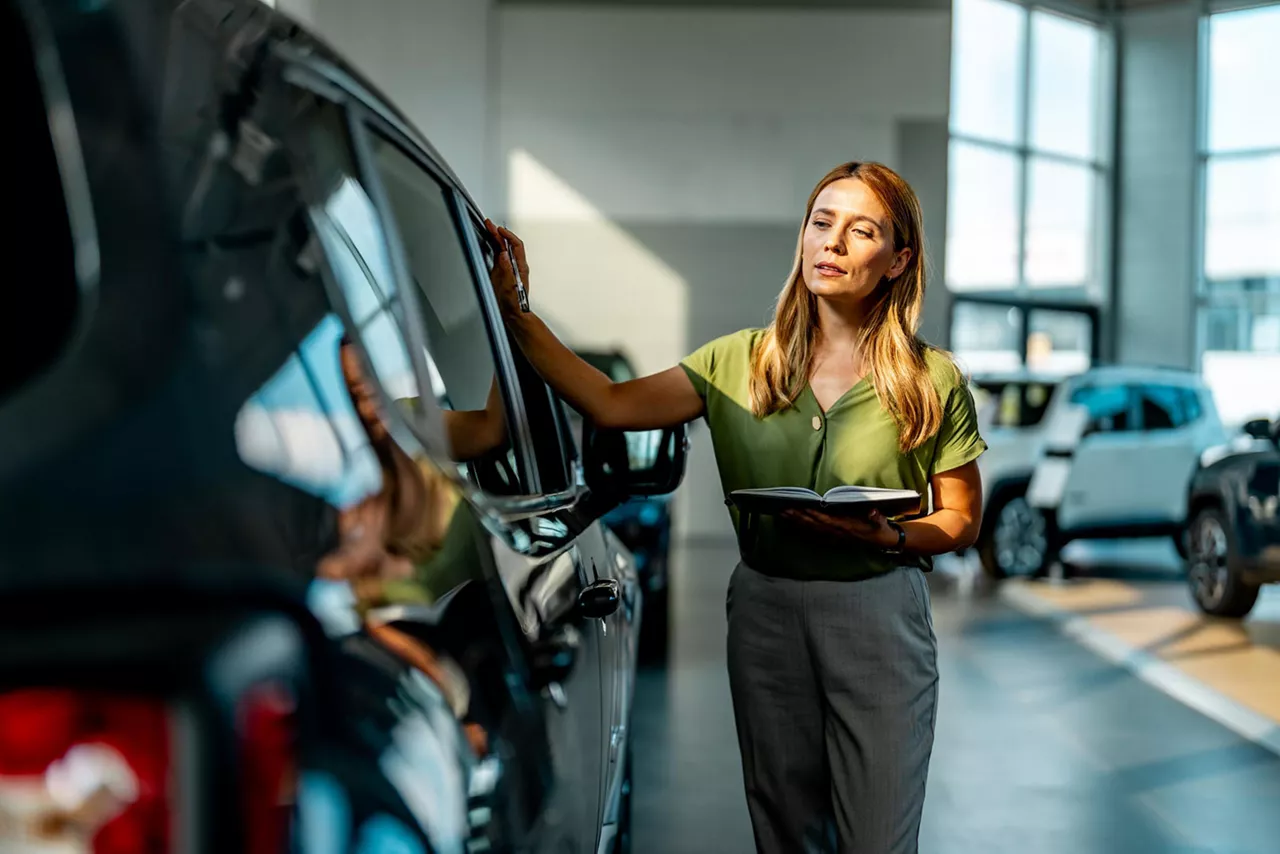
{"points": [[657, 161], [430, 57]]}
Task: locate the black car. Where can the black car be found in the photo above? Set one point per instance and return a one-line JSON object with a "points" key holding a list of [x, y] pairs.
{"points": [[297, 552], [1234, 523], [643, 524]]}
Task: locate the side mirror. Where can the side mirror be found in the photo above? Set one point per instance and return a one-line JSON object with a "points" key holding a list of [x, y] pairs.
{"points": [[623, 464], [1259, 428]]}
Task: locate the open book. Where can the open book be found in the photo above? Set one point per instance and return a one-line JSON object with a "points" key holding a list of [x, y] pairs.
{"points": [[841, 500]]}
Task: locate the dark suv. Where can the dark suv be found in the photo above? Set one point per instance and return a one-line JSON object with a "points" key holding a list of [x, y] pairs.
{"points": [[1234, 522], [297, 553]]}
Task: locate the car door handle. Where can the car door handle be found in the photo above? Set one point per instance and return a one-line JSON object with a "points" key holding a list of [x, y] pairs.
{"points": [[599, 599]]}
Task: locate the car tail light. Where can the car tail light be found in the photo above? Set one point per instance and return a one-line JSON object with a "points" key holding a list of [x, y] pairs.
{"points": [[85, 769], [94, 772], [267, 771]]}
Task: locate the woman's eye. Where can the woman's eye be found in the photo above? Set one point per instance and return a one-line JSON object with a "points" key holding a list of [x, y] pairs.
{"points": [[821, 223], [862, 232]]}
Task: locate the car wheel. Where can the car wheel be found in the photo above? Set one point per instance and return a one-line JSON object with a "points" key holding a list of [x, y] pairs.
{"points": [[1215, 586], [1016, 543]]}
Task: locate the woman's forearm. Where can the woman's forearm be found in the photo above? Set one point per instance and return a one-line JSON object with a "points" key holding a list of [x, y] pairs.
{"points": [[940, 532], [582, 386]]}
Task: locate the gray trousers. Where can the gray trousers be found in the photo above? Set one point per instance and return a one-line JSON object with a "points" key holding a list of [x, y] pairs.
{"points": [[835, 689]]}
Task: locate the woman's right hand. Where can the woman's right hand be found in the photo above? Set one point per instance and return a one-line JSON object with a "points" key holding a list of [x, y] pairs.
{"points": [[503, 275]]}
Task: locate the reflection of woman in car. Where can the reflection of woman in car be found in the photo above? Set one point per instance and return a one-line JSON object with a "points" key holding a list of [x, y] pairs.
{"points": [[832, 655], [406, 543]]}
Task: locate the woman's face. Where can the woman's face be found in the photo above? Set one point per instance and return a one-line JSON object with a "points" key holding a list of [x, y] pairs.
{"points": [[848, 243]]}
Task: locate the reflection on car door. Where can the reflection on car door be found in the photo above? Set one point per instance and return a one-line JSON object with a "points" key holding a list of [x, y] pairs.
{"points": [[521, 473]]}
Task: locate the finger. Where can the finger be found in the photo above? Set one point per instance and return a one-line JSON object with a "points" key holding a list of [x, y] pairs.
{"points": [[510, 235]]}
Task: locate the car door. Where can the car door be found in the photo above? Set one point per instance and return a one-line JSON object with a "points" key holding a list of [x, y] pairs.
{"points": [[1104, 487], [519, 473], [1168, 417]]}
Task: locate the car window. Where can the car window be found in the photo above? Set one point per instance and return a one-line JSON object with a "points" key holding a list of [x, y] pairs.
{"points": [[459, 352], [1193, 409], [549, 432], [1108, 407], [1012, 404], [1163, 407]]}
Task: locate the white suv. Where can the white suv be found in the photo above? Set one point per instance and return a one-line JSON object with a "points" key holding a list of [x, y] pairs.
{"points": [[1128, 474]]}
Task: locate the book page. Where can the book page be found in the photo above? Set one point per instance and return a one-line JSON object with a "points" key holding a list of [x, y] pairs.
{"points": [[793, 492], [867, 493]]}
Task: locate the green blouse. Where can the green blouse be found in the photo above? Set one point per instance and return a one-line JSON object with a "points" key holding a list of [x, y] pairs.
{"points": [[854, 442]]}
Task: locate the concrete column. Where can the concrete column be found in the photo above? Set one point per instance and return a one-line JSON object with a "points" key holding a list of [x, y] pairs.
{"points": [[1155, 292]]}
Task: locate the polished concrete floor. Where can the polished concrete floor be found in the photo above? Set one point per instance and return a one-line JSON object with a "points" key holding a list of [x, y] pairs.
{"points": [[1042, 745]]}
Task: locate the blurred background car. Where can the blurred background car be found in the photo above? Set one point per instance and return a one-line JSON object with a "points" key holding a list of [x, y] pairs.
{"points": [[1145, 429], [1011, 408], [1233, 524], [643, 523]]}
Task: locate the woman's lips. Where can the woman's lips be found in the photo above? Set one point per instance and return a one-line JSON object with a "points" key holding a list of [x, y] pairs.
{"points": [[828, 271]]}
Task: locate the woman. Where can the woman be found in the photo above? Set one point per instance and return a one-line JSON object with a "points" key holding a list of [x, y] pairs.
{"points": [[832, 656]]}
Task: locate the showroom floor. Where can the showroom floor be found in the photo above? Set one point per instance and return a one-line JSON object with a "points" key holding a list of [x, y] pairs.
{"points": [[1052, 737]]}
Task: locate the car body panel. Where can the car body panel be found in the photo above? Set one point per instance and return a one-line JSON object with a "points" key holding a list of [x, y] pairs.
{"points": [[1245, 485]]}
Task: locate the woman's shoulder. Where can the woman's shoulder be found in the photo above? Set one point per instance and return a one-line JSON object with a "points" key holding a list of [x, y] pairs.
{"points": [[727, 349], [943, 370]]}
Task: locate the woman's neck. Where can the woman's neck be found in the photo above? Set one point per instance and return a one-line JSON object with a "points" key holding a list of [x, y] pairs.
{"points": [[840, 327]]}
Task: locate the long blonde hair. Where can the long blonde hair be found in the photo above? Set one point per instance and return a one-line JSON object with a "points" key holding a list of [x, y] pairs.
{"points": [[781, 364]]}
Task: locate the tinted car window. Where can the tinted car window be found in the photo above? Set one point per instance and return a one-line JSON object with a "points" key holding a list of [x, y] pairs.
{"points": [[459, 351], [1108, 407], [544, 413], [1163, 407], [1013, 404]]}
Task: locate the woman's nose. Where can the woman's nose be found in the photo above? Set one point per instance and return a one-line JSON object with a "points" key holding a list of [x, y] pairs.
{"points": [[835, 244]]}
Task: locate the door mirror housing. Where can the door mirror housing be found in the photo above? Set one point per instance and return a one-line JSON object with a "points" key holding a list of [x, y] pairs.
{"points": [[623, 464], [1259, 428]]}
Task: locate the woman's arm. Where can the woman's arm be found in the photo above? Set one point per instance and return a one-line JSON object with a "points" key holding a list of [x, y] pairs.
{"points": [[661, 400], [475, 432], [954, 523]]}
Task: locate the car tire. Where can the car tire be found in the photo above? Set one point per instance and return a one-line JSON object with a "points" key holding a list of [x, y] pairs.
{"points": [[1015, 543], [1216, 585], [1180, 543]]}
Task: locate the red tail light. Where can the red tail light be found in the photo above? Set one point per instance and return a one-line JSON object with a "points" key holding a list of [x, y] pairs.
{"points": [[267, 771], [84, 765]]}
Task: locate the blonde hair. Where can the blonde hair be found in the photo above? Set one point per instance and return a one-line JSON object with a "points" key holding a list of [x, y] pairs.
{"points": [[781, 364]]}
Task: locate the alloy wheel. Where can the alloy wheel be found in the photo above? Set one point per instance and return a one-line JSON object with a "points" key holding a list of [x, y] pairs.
{"points": [[1020, 538], [1209, 572]]}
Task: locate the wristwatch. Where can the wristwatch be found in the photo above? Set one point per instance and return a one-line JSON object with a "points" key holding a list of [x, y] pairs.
{"points": [[898, 548]]}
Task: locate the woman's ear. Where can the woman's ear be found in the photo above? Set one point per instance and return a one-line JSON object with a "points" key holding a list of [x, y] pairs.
{"points": [[900, 262]]}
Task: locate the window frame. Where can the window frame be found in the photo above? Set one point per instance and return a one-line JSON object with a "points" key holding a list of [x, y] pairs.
{"points": [[1097, 287], [1208, 297]]}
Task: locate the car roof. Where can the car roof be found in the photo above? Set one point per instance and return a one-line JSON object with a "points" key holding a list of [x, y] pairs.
{"points": [[1155, 374], [1017, 377]]}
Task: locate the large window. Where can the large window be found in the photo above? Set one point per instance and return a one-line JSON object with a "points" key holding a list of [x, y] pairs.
{"points": [[1239, 293], [1027, 168]]}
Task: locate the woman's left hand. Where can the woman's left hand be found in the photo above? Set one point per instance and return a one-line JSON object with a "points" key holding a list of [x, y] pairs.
{"points": [[872, 528]]}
